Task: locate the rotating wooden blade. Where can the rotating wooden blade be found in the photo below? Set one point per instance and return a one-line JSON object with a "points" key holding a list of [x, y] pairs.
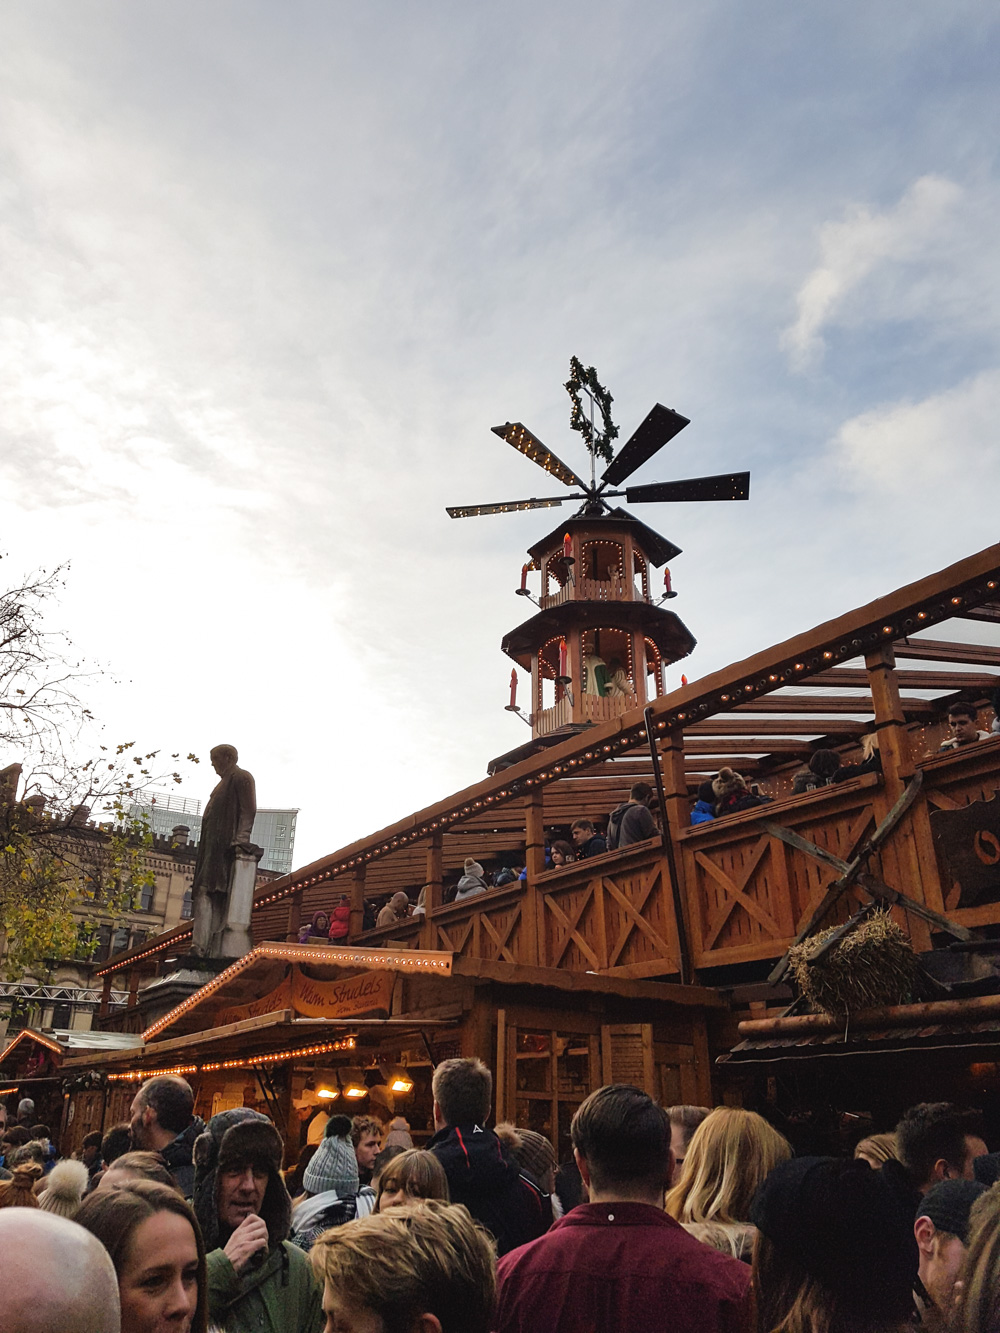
{"points": [[728, 486], [507, 506], [531, 446], [659, 428]]}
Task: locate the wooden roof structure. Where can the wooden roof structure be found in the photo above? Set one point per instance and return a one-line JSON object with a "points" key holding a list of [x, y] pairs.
{"points": [[763, 715]]}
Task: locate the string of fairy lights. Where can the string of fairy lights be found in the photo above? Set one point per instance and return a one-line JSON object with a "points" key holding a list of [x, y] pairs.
{"points": [[213, 1066], [691, 703]]}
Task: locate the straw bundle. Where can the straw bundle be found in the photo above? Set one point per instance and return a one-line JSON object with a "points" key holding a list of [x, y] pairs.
{"points": [[872, 967]]}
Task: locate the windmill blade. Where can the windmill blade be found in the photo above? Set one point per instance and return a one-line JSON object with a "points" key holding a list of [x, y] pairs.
{"points": [[728, 486], [507, 506], [531, 446], [659, 428]]}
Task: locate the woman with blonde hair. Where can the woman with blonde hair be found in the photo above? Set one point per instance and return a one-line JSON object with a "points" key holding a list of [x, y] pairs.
{"points": [[877, 1149], [978, 1289], [414, 1175], [728, 1157]]}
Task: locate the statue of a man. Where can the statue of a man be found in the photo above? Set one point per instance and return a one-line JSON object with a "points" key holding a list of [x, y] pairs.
{"points": [[225, 829]]}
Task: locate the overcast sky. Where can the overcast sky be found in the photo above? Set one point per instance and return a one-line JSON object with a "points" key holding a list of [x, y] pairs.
{"points": [[270, 273]]}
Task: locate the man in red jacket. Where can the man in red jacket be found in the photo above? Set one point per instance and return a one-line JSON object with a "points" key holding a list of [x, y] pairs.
{"points": [[619, 1262]]}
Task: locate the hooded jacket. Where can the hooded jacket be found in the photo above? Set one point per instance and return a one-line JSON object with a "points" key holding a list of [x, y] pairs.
{"points": [[340, 921], [469, 886], [276, 1291], [702, 812], [179, 1156], [633, 822], [492, 1186]]}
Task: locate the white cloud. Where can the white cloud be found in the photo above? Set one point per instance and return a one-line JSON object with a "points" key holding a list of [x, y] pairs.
{"points": [[851, 250]]}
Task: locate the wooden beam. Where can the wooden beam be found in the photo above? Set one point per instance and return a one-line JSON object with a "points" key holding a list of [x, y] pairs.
{"points": [[793, 726], [851, 677], [989, 611], [765, 744], [940, 650], [834, 703]]}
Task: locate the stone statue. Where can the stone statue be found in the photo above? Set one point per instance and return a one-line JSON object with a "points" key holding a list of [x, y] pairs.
{"points": [[226, 868]]}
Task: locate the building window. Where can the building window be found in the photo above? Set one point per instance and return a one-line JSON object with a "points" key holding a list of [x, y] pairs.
{"points": [[61, 1015], [187, 907], [119, 942], [146, 897], [139, 937], [103, 944]]}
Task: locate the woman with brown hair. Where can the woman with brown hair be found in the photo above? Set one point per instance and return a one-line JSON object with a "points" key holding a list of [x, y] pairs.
{"points": [[155, 1244], [19, 1191], [414, 1175]]}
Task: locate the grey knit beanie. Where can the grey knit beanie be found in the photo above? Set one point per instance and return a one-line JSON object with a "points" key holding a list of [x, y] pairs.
{"points": [[334, 1165]]}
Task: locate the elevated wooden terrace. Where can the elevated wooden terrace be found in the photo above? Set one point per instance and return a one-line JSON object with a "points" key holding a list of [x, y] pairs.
{"points": [[744, 893]]}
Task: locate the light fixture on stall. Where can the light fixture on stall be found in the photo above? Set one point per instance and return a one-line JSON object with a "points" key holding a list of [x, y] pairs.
{"points": [[397, 1079], [325, 1083], [352, 1083]]}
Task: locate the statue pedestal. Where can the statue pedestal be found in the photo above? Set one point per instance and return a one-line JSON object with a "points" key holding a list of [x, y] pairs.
{"points": [[236, 937]]}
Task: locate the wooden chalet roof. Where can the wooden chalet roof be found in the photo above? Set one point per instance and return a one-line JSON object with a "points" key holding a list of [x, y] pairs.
{"points": [[763, 715]]}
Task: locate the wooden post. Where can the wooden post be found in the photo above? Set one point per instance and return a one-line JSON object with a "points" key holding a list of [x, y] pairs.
{"points": [[532, 910], [294, 917], [133, 988], [670, 820], [105, 1005], [899, 859], [432, 880], [358, 902]]}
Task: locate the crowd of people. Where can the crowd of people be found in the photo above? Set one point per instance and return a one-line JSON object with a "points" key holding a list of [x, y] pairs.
{"points": [[684, 1218]]}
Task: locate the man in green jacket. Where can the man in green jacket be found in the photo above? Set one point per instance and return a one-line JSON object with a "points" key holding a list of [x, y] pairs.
{"points": [[258, 1282]]}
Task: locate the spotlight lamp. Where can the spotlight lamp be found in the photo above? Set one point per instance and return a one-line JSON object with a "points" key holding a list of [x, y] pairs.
{"points": [[352, 1083], [397, 1079]]}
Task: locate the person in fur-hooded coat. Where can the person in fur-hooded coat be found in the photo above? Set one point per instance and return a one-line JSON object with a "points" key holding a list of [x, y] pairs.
{"points": [[732, 794], [257, 1280]]}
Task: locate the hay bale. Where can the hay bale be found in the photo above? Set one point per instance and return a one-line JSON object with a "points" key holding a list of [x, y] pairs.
{"points": [[871, 968]]}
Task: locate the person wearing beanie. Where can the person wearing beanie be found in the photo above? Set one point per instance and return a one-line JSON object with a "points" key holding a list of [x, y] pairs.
{"points": [[536, 1157], [65, 1187], [835, 1249], [333, 1194], [704, 807], [257, 1280], [941, 1229], [473, 880]]}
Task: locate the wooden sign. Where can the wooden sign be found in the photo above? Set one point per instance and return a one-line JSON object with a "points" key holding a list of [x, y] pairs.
{"points": [[968, 847], [367, 994]]}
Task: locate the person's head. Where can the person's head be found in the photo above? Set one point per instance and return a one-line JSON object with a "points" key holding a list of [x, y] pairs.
{"points": [[237, 1163], [684, 1120], [834, 1251], [581, 832], [463, 1093], [962, 724], [366, 1135], [19, 1191], [155, 1244], [533, 1153], [941, 1229], [641, 792], [877, 1149], [621, 1142], [16, 1137], [939, 1141], [32, 1151], [824, 763], [727, 783], [161, 1109], [385, 1156], [41, 1132], [25, 1112], [90, 1148], [320, 923], [65, 1186], [561, 853], [978, 1309], [57, 1277], [399, 903], [3, 1117], [425, 1269], [116, 1142], [334, 1165], [414, 1174], [136, 1166], [224, 759], [730, 1154], [706, 792]]}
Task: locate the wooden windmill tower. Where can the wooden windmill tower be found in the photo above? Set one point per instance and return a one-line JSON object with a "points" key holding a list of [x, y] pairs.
{"points": [[601, 639]]}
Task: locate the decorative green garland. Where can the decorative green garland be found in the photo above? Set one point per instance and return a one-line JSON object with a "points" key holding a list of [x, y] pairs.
{"points": [[598, 445]]}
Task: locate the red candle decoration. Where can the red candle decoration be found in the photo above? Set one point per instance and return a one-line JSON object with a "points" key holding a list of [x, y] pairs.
{"points": [[567, 548], [524, 578], [684, 680], [513, 685], [563, 655], [666, 580]]}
